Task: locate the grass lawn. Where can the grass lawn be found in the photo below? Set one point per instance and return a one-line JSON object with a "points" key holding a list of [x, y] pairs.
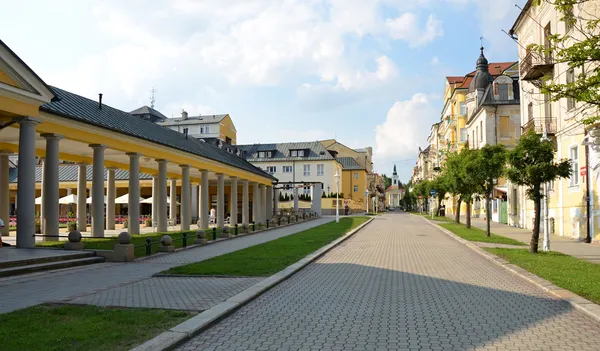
{"points": [[108, 244], [435, 218], [66, 327], [476, 234], [273, 256], [568, 272]]}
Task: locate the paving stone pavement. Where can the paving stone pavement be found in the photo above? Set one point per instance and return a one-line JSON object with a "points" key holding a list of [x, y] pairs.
{"points": [[401, 284], [73, 283], [190, 293]]}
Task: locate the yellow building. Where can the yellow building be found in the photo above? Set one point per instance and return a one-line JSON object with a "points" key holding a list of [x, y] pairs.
{"points": [[354, 183]]}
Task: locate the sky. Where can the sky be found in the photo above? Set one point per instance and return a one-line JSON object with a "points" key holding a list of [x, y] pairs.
{"points": [[366, 72]]}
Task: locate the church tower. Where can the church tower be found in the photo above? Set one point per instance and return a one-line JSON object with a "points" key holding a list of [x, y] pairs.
{"points": [[395, 177]]}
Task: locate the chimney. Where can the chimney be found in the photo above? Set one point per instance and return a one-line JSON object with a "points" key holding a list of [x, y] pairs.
{"points": [[185, 132], [100, 101], [184, 114]]}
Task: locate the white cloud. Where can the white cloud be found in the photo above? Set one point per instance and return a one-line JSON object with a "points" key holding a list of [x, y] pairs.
{"points": [[435, 60], [406, 27]]}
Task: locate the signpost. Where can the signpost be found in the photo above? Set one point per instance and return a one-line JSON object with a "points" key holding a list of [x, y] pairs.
{"points": [[432, 193]]}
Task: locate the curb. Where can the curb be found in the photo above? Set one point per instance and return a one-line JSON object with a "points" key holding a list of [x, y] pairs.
{"points": [[579, 303], [184, 331]]}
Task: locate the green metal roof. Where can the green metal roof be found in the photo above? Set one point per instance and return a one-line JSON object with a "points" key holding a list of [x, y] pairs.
{"points": [[348, 163]]}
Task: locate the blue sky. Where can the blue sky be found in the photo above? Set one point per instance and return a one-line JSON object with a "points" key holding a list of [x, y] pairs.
{"points": [[368, 72]]}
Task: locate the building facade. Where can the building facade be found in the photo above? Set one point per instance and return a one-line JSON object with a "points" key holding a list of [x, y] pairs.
{"points": [[218, 127], [394, 193]]}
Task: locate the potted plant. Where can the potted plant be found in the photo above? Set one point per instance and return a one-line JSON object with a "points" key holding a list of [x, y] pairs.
{"points": [[149, 221], [126, 223], [71, 223], [38, 226]]}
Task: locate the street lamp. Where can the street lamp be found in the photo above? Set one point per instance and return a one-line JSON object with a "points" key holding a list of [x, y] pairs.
{"points": [[367, 199], [337, 194]]}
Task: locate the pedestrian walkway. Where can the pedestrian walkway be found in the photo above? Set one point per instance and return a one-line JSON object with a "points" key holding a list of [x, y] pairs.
{"points": [[402, 284], [576, 248], [112, 279]]}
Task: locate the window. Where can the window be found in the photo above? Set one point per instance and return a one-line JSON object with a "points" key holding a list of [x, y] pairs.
{"points": [[463, 108], [574, 156], [201, 130], [530, 112], [355, 175], [356, 188], [505, 127], [207, 129], [569, 23], [269, 153], [547, 106], [503, 92], [514, 202], [570, 79], [472, 138], [294, 153], [481, 130], [287, 169], [463, 134], [320, 169], [475, 143], [551, 186], [271, 169], [261, 154], [306, 170], [301, 153]]}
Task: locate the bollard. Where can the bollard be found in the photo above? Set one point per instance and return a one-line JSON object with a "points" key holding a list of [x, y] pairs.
{"points": [[296, 218], [148, 246], [214, 233], [236, 229], [267, 224], [253, 226], [304, 216], [279, 221], [184, 239]]}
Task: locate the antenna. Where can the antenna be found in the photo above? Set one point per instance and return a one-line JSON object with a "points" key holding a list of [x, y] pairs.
{"points": [[481, 40], [152, 99]]}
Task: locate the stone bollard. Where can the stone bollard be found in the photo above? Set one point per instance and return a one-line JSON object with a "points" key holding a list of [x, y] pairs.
{"points": [[74, 241], [166, 244], [200, 237], [225, 233], [124, 249]]}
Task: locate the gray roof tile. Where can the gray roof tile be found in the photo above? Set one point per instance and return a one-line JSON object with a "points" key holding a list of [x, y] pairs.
{"points": [[68, 173], [282, 151], [348, 163], [84, 110], [193, 120]]}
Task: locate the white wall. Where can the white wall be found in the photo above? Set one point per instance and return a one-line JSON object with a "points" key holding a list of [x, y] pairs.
{"points": [[194, 129]]}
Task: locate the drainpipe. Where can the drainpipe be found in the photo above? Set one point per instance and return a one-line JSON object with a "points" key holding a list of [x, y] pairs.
{"points": [[589, 194]]}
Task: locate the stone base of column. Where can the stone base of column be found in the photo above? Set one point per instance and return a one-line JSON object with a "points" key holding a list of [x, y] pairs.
{"points": [[124, 253], [74, 246]]}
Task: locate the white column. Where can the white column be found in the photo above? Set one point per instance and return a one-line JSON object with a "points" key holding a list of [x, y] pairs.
{"points": [[98, 191], [269, 202], [42, 230], [50, 191], [316, 203], [154, 200], [204, 207], [220, 200], [82, 195], [173, 196], [133, 204], [245, 199], [4, 192], [185, 197], [263, 202], [276, 200], [161, 194], [111, 194], [195, 200], [233, 202], [255, 203], [26, 183]]}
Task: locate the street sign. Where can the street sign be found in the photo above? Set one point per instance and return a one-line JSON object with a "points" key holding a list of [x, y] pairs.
{"points": [[432, 192], [583, 171]]}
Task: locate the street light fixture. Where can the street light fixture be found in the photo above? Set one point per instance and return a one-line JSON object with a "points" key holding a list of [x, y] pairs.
{"points": [[337, 194], [367, 199]]}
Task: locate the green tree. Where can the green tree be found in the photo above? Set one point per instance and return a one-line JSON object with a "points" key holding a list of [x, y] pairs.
{"points": [[387, 181], [532, 164], [488, 164], [440, 185], [460, 182], [579, 48]]}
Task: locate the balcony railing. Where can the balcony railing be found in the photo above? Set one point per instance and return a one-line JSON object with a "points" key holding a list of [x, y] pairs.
{"points": [[535, 65], [540, 125]]}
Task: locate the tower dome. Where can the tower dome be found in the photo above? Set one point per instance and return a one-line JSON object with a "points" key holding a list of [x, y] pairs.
{"points": [[482, 76]]}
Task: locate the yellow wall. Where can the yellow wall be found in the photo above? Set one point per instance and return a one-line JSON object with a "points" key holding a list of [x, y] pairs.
{"points": [[348, 183], [4, 78], [227, 129]]}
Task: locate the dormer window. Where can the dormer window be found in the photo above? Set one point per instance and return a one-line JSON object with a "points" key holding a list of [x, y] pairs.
{"points": [[297, 153], [265, 154]]}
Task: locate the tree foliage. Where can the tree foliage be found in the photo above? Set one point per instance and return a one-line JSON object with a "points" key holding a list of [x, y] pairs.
{"points": [[532, 164], [579, 48], [460, 180]]}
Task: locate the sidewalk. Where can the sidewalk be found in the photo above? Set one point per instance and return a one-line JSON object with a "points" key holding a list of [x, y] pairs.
{"points": [[579, 249]]}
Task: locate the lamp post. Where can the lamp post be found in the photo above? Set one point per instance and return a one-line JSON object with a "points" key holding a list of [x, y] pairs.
{"points": [[337, 194], [367, 199], [546, 245]]}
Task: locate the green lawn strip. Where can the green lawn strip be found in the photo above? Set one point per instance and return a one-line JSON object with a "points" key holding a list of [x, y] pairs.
{"points": [[273, 256], [67, 327], [476, 234], [108, 244], [435, 218], [568, 272]]}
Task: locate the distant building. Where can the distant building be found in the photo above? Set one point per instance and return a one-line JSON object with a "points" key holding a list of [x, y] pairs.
{"points": [[148, 114], [394, 193]]}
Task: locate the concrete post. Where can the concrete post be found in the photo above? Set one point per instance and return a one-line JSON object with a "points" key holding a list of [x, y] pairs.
{"points": [[161, 195], [154, 200], [245, 199], [26, 183], [255, 203], [295, 199], [133, 205], [220, 200], [233, 202], [81, 197], [173, 196], [50, 190], [4, 192], [316, 203], [269, 202], [276, 200], [195, 201], [263, 202], [111, 194], [203, 206], [185, 197], [98, 191]]}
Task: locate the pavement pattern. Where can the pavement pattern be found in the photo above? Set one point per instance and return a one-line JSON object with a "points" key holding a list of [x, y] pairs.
{"points": [[75, 283], [401, 284]]}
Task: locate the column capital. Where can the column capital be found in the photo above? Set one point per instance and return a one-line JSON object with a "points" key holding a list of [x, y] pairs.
{"points": [[184, 166], [133, 154], [97, 146], [161, 160], [111, 168], [27, 120], [5, 152], [51, 136], [82, 163]]}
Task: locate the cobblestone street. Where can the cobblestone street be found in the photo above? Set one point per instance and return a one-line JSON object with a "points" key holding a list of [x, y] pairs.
{"points": [[401, 284]]}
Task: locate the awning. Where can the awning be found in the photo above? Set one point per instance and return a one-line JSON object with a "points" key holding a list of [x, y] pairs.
{"points": [[67, 200], [89, 200], [38, 200], [502, 189], [149, 201], [124, 199]]}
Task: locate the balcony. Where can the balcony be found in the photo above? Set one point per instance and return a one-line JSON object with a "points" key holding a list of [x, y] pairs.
{"points": [[535, 65], [540, 125]]}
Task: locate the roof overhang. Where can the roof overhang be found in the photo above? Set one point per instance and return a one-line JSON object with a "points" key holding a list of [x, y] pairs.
{"points": [[520, 17]]}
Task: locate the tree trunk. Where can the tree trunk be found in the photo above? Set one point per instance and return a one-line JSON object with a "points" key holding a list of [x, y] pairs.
{"points": [[488, 209], [535, 236], [468, 214], [457, 216]]}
